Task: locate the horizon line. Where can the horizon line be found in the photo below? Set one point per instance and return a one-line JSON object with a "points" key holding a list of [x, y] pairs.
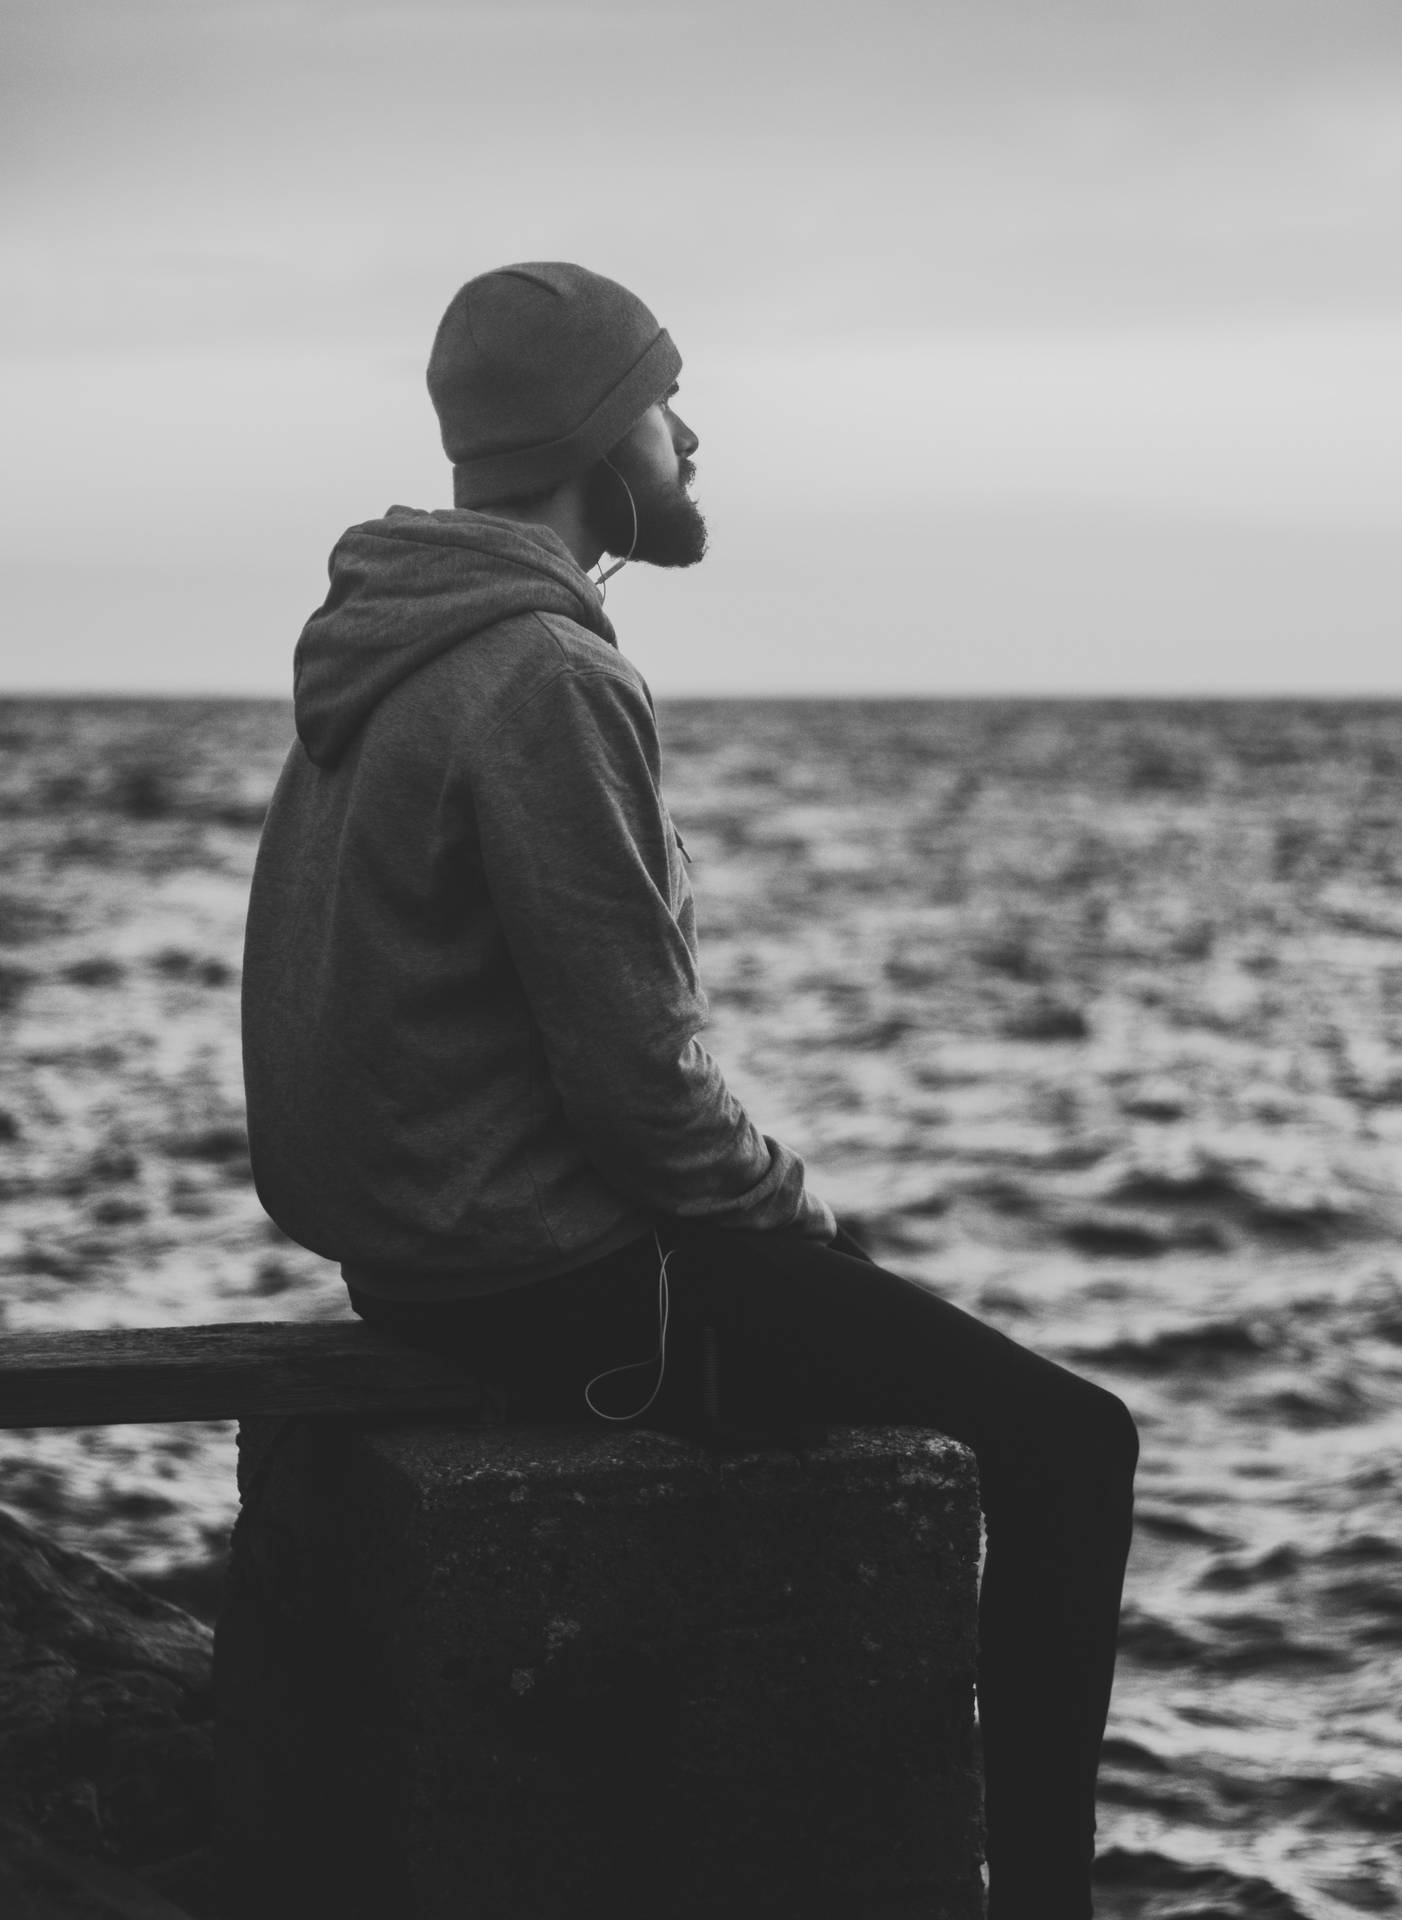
{"points": [[174, 694]]}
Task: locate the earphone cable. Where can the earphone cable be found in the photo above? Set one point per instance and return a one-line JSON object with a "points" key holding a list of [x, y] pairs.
{"points": [[604, 577], [664, 1309]]}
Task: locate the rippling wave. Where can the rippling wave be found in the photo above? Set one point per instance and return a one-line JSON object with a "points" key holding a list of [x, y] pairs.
{"points": [[1088, 1014]]}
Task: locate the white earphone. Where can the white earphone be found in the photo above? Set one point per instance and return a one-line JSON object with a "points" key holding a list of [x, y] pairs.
{"points": [[664, 1308], [603, 578]]}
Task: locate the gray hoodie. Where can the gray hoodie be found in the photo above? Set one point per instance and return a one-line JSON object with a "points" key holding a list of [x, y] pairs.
{"points": [[471, 1000]]}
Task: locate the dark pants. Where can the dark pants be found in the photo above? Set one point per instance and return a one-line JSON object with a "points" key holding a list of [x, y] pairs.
{"points": [[771, 1335]]}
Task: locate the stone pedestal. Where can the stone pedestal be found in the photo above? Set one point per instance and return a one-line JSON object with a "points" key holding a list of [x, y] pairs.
{"points": [[548, 1673]]}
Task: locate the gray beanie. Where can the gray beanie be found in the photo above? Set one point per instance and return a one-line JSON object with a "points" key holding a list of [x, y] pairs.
{"points": [[536, 371]]}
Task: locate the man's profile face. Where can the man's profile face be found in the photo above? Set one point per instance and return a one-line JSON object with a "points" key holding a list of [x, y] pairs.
{"points": [[654, 457]]}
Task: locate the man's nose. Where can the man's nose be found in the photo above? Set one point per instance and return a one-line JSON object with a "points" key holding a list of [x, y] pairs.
{"points": [[683, 439]]}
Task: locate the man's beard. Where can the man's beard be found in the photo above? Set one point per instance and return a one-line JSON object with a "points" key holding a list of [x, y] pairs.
{"points": [[671, 531]]}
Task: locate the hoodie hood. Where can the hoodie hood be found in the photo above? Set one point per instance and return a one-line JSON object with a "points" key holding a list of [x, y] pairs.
{"points": [[406, 588]]}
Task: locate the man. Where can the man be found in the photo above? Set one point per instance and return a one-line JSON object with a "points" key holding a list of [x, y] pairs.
{"points": [[472, 1010]]}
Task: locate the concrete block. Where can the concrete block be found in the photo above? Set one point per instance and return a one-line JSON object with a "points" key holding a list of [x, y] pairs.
{"points": [[550, 1673]]}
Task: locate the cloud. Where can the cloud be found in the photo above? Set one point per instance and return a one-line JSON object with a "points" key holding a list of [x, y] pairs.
{"points": [[1091, 257], [1234, 419]]}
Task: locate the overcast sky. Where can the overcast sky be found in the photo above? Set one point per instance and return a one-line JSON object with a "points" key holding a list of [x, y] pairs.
{"points": [[1032, 348]]}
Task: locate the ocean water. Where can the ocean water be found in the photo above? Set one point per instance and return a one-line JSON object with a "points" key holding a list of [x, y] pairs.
{"points": [[1089, 1013]]}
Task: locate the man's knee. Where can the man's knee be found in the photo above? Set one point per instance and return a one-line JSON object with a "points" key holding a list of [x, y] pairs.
{"points": [[1112, 1436]]}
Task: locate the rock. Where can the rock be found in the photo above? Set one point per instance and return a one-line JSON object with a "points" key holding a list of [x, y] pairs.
{"points": [[106, 1732], [544, 1672]]}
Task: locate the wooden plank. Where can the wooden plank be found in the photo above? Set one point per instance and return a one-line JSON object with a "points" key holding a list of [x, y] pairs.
{"points": [[225, 1373]]}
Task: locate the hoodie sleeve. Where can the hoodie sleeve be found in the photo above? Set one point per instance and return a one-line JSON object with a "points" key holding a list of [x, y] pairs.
{"points": [[582, 863]]}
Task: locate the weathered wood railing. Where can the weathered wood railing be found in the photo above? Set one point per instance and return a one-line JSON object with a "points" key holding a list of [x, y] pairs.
{"points": [[234, 1372]]}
